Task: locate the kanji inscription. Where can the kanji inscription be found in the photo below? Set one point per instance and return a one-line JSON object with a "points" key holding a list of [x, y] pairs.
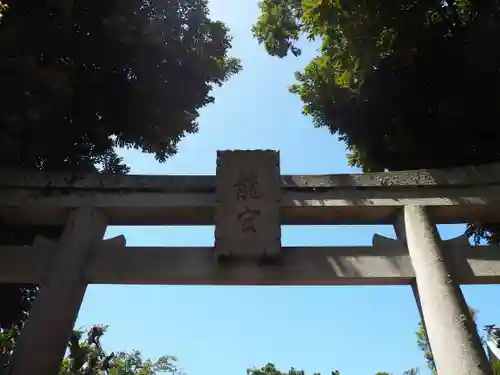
{"points": [[247, 186], [246, 218], [248, 193]]}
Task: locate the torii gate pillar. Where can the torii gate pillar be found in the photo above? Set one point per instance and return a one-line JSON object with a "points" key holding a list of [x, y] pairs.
{"points": [[45, 336], [452, 334]]}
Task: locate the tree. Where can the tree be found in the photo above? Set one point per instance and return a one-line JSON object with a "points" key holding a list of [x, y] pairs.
{"points": [[87, 357], [121, 73], [133, 364], [423, 344], [80, 78], [270, 369], [496, 367], [8, 339], [394, 78]]}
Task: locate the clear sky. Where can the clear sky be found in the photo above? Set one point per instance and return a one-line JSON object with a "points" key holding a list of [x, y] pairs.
{"points": [[225, 330]]}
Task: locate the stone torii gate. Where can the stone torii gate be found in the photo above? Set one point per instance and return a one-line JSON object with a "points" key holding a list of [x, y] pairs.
{"points": [[248, 201]]}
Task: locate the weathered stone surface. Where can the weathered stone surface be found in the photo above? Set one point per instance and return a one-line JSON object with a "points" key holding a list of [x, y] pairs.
{"points": [[44, 338], [343, 206], [470, 194], [451, 330], [471, 175], [386, 263], [247, 204], [13, 179]]}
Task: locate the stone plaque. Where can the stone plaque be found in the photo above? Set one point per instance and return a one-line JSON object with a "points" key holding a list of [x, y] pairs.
{"points": [[247, 222]]}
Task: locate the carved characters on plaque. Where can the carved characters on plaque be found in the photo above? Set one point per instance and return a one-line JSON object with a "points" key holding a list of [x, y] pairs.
{"points": [[247, 188], [247, 216]]}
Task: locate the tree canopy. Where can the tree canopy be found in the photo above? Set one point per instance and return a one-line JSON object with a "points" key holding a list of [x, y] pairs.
{"points": [[86, 356], [402, 82], [405, 84], [424, 346], [80, 78], [271, 369]]}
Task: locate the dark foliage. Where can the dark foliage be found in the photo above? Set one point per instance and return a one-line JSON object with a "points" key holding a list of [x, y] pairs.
{"points": [[406, 84], [80, 78]]}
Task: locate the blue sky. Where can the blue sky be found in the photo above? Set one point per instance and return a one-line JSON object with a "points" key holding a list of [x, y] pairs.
{"points": [[225, 330]]}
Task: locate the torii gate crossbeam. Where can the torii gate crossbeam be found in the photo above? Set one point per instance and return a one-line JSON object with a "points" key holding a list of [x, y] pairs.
{"points": [[248, 200]]}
